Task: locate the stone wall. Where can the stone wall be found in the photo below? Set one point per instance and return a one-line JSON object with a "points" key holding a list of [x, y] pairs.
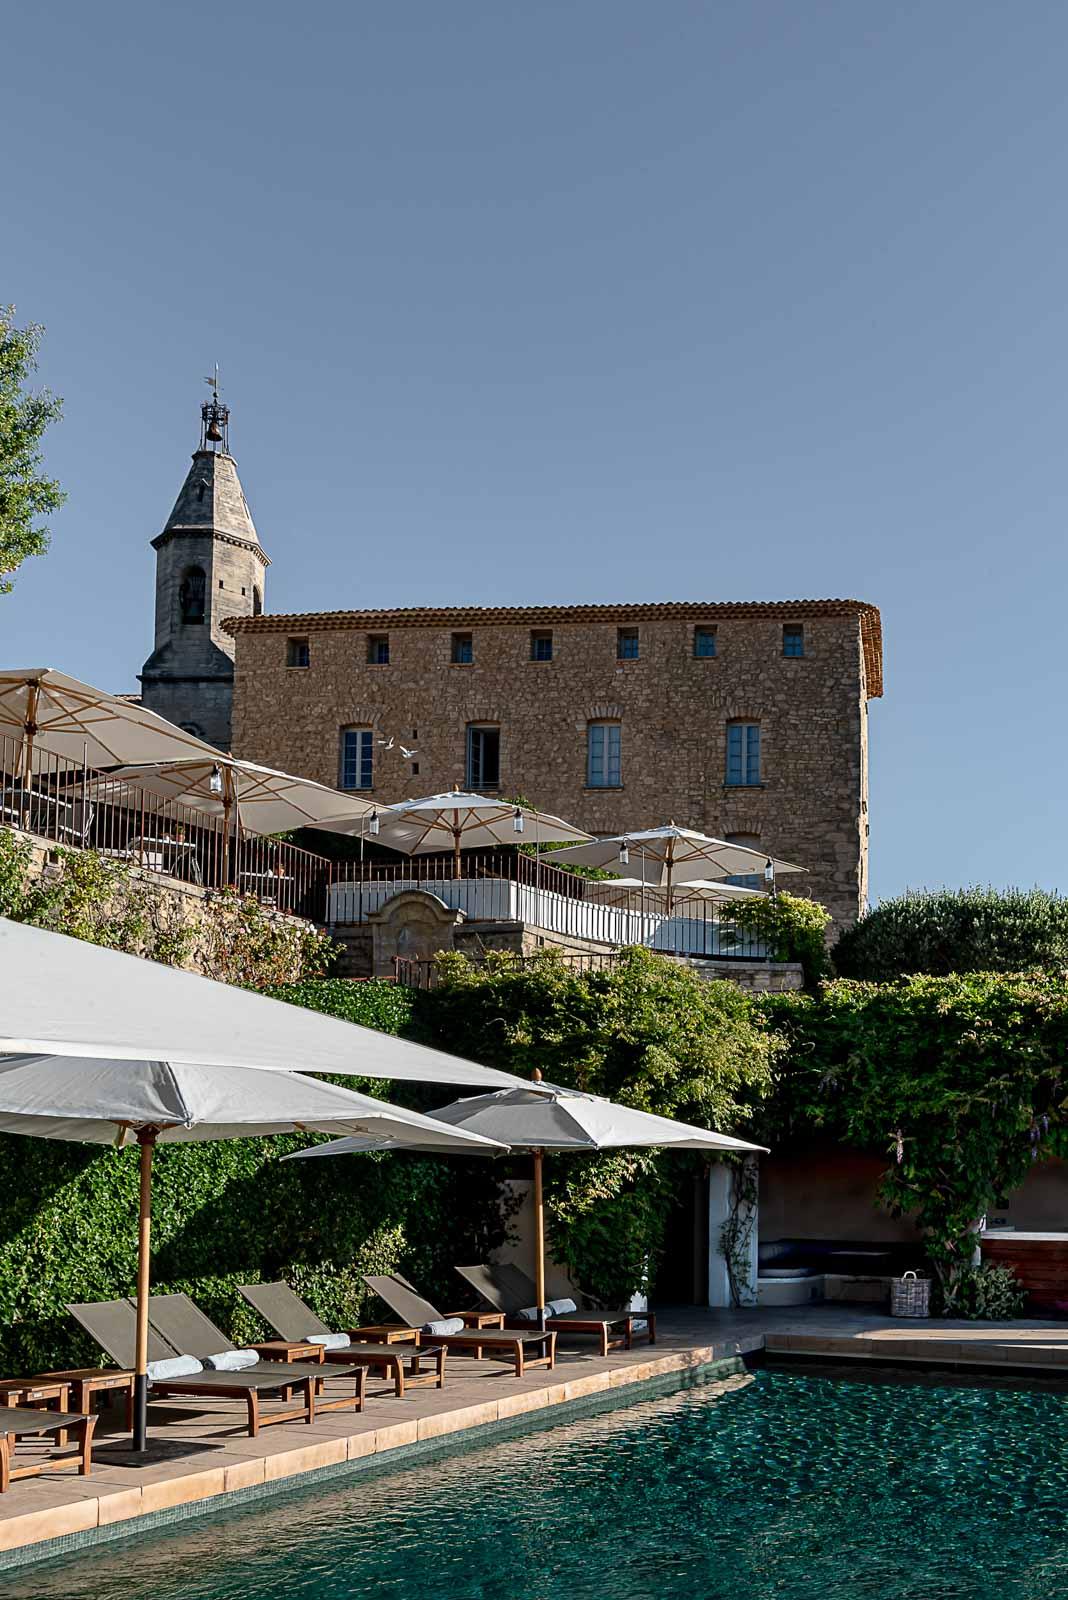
{"points": [[673, 708]]}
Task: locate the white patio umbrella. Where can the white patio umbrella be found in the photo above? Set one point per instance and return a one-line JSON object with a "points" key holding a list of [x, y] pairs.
{"points": [[254, 798], [57, 720], [463, 821], [104, 1101], [61, 996], [616, 891], [665, 857], [541, 1116]]}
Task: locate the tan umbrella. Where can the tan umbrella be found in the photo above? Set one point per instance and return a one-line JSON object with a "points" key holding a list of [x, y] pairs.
{"points": [[104, 1101], [463, 821], [669, 856], [255, 798], [57, 720], [541, 1116]]}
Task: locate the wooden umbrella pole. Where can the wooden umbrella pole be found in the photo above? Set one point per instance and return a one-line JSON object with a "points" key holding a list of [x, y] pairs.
{"points": [[457, 834], [147, 1140], [539, 1235]]}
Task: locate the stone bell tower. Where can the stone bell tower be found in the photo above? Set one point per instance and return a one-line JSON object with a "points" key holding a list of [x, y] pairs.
{"points": [[209, 566]]}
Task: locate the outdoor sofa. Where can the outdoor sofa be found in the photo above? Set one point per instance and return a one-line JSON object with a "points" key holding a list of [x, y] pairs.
{"points": [[284, 1311], [536, 1348], [113, 1324], [507, 1288]]}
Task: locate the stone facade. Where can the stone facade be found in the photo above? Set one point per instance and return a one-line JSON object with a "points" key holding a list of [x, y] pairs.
{"points": [[673, 703], [209, 568]]}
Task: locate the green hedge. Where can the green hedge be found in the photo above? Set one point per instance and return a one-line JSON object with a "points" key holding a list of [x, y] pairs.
{"points": [[228, 1213], [944, 931]]}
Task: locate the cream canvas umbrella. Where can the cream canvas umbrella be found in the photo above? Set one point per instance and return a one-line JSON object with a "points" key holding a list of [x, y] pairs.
{"points": [[459, 821], [243, 794], [666, 857], [617, 891], [56, 719], [541, 1116], [104, 1101], [61, 996]]}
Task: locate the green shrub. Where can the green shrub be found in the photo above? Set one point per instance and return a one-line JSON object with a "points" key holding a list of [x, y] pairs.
{"points": [[989, 1294], [792, 928], [943, 931], [646, 1032]]}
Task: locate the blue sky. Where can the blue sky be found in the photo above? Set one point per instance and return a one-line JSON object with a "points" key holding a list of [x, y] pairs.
{"points": [[586, 301]]}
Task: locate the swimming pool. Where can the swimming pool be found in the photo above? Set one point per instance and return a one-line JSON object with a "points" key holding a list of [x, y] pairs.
{"points": [[798, 1486]]}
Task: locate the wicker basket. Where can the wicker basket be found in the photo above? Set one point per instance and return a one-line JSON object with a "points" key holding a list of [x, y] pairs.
{"points": [[910, 1296]]}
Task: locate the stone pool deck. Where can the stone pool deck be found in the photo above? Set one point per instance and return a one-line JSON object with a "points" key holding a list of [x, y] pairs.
{"points": [[208, 1456]]}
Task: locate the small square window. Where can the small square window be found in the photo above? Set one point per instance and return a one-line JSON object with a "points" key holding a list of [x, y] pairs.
{"points": [[298, 653], [221, 584], [627, 644], [541, 644], [463, 649], [704, 641], [793, 639], [378, 649], [415, 769]]}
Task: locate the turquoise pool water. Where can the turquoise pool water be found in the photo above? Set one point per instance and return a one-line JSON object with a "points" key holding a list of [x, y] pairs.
{"points": [[799, 1486]]}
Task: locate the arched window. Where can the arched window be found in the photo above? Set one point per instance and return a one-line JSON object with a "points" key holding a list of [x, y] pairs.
{"points": [[191, 595], [257, 601]]}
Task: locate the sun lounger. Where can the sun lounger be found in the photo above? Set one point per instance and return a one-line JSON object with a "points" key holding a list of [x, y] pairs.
{"points": [[284, 1311], [183, 1325], [20, 1422], [507, 1288], [113, 1324], [534, 1349]]}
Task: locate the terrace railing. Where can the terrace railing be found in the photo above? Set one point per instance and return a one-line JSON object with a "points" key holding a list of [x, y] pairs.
{"points": [[73, 805], [510, 887]]}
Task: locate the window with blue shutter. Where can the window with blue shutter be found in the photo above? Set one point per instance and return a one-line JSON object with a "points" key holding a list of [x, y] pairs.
{"points": [[357, 758], [604, 755], [743, 753]]}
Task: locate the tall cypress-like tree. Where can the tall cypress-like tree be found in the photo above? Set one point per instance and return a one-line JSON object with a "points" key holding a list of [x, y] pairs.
{"points": [[25, 494]]}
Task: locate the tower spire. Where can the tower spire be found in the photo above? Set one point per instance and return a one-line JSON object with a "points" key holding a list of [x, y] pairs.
{"points": [[215, 419]]}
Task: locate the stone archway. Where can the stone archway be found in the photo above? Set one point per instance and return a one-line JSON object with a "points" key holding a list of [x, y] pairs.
{"points": [[412, 924]]}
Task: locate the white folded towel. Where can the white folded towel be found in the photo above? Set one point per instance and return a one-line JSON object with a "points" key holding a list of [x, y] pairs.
{"points": [[329, 1341], [174, 1367], [444, 1327], [559, 1308], [231, 1361], [528, 1314]]}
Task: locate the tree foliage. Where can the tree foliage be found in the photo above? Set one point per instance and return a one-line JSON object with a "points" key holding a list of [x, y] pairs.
{"points": [[646, 1032], [956, 930], [26, 496], [791, 928], [961, 1081]]}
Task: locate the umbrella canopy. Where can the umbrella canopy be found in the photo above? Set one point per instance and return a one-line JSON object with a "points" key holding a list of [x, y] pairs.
{"points": [[99, 1099], [105, 1101], [541, 1116], [665, 857], [616, 891], [264, 801], [57, 719], [61, 996], [463, 821]]}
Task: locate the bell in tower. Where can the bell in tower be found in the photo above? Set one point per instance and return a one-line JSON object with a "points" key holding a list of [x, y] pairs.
{"points": [[215, 419]]}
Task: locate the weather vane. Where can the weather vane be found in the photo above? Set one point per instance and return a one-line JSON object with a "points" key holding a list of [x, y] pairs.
{"points": [[214, 418]]}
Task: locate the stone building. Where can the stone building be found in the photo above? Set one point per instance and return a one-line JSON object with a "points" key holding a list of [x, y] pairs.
{"points": [[747, 720], [210, 568]]}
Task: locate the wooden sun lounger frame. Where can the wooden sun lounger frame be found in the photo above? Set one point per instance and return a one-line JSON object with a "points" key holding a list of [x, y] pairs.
{"points": [[22, 1421], [598, 1323], [246, 1386], [497, 1341], [381, 1357]]}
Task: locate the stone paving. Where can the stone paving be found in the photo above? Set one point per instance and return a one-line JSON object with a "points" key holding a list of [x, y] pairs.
{"points": [[209, 1453]]}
